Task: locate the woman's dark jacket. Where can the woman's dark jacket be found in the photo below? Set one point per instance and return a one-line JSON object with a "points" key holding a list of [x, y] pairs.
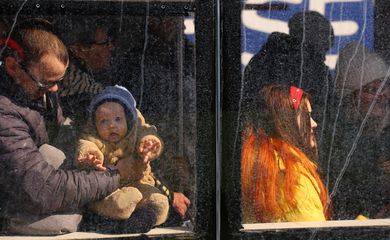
{"points": [[27, 182]]}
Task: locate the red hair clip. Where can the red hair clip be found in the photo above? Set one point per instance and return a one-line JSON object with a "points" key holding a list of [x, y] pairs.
{"points": [[13, 45], [296, 95]]}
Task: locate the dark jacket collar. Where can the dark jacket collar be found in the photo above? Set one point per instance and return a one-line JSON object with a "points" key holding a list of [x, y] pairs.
{"points": [[17, 95], [13, 91]]}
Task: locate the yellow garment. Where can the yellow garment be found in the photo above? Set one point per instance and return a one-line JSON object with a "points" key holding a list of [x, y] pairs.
{"points": [[361, 217], [307, 198]]}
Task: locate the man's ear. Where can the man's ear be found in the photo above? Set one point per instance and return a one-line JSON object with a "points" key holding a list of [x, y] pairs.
{"points": [[11, 66]]}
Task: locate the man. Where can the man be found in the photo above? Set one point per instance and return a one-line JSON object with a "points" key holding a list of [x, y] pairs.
{"points": [[90, 48], [36, 197], [359, 140]]}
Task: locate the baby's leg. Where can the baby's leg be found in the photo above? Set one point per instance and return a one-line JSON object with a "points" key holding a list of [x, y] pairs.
{"points": [[155, 200], [119, 204]]}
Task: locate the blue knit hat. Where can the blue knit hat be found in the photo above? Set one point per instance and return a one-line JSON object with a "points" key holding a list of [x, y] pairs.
{"points": [[117, 94]]}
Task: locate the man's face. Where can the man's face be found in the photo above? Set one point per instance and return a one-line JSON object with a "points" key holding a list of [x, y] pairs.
{"points": [[98, 56], [380, 114], [37, 78], [365, 98]]}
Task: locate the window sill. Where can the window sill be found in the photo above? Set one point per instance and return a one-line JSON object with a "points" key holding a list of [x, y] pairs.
{"points": [[256, 227], [155, 232]]}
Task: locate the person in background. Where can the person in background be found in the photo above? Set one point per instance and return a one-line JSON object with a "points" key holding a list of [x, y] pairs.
{"points": [[36, 196], [297, 58], [279, 175], [361, 121], [90, 46]]}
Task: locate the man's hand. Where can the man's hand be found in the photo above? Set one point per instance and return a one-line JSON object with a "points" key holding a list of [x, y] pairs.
{"points": [[149, 148], [180, 203], [91, 160]]}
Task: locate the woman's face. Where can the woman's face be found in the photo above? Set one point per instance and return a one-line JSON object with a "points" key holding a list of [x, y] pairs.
{"points": [[313, 124]]}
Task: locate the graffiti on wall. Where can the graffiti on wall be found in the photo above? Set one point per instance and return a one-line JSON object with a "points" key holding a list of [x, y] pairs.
{"points": [[352, 20]]}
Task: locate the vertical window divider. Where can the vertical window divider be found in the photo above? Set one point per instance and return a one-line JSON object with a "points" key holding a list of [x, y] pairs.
{"points": [[218, 115]]}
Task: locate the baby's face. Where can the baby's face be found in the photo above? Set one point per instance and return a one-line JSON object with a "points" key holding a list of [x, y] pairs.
{"points": [[111, 121]]}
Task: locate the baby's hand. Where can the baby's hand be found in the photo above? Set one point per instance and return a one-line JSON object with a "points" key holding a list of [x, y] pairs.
{"points": [[149, 148], [91, 160]]}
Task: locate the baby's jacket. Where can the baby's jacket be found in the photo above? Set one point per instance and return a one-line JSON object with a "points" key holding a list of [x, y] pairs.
{"points": [[90, 142]]}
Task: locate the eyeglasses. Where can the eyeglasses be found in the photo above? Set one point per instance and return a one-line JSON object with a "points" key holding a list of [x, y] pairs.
{"points": [[106, 43], [373, 87], [46, 85]]}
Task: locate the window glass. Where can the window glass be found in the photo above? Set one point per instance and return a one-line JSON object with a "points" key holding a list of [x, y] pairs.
{"points": [[315, 151], [148, 48]]}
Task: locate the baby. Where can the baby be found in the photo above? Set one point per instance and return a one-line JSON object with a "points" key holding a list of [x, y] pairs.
{"points": [[116, 129]]}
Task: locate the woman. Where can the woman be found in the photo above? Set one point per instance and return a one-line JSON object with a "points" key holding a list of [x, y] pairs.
{"points": [[279, 176]]}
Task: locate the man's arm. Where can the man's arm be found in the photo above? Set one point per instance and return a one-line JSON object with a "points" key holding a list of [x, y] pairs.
{"points": [[176, 199], [35, 186]]}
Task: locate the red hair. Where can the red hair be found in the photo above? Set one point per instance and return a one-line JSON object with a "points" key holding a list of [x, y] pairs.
{"points": [[262, 179]]}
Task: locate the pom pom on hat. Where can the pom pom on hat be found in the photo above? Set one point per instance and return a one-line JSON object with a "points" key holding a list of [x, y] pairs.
{"points": [[117, 94], [358, 66]]}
